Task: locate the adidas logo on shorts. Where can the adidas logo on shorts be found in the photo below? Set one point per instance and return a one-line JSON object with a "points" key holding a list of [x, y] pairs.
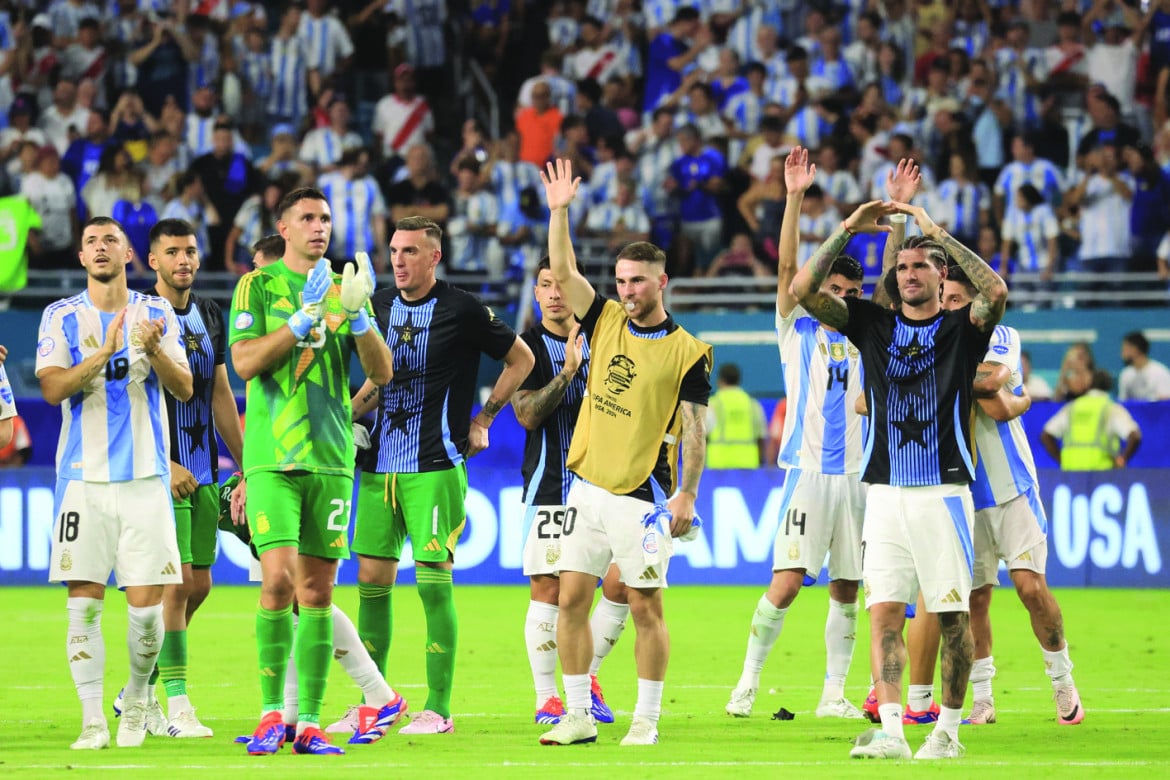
{"points": [[433, 545], [952, 598], [169, 568]]}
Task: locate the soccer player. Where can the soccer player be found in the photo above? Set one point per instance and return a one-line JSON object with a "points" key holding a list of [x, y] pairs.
{"points": [[293, 332], [105, 356], [414, 478], [1010, 525], [824, 501], [267, 250], [647, 393], [546, 405], [7, 402], [919, 366], [174, 256]]}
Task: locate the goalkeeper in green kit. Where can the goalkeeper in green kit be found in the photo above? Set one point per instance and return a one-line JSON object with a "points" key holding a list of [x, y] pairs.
{"points": [[293, 331]]}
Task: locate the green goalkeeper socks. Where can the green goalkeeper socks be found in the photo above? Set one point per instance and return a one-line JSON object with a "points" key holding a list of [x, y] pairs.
{"points": [[437, 594], [172, 663], [375, 621], [314, 650], [274, 638]]}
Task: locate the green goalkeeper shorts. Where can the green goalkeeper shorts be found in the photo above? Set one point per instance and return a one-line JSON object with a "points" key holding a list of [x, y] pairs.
{"points": [[300, 509], [196, 519], [427, 507]]}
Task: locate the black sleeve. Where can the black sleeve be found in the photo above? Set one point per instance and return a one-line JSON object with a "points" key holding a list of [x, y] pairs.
{"points": [[535, 379], [213, 319], [589, 321], [487, 331], [862, 314], [696, 383], [977, 341]]}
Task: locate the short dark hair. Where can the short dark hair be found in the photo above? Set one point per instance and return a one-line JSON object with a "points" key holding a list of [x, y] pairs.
{"points": [[1138, 341], [729, 374], [103, 222], [174, 228], [935, 252], [296, 196], [955, 273], [849, 267], [589, 88], [468, 164], [1032, 195], [686, 14], [1102, 380], [425, 224], [643, 252], [271, 246]]}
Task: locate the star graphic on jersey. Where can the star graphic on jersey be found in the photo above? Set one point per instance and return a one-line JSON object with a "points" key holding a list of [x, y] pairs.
{"points": [[911, 350], [199, 384], [397, 418], [913, 430], [196, 431], [406, 332]]}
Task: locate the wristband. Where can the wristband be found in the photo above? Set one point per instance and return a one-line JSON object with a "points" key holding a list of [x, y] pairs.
{"points": [[359, 324], [300, 324], [898, 219]]}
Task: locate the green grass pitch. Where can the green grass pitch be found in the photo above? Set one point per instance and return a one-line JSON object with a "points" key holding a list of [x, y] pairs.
{"points": [[1118, 643]]}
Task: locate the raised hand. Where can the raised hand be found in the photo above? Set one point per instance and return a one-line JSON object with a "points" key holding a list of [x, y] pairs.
{"points": [[316, 287], [903, 181], [575, 349], [864, 218], [798, 174], [357, 284], [559, 185], [114, 336]]}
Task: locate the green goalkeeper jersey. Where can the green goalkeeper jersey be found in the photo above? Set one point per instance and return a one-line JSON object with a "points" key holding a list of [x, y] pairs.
{"points": [[297, 412]]}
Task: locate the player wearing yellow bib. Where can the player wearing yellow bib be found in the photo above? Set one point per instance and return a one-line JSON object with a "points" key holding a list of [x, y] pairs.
{"points": [[647, 390], [293, 331]]}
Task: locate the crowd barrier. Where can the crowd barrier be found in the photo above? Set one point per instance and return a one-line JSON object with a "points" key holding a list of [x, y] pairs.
{"points": [[1105, 529]]}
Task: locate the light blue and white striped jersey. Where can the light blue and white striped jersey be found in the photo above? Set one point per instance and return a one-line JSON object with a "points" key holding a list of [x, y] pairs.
{"points": [[654, 161], [743, 34], [960, 206], [1040, 173], [604, 179], [840, 185], [1013, 66], [289, 98], [256, 68], [204, 71], [469, 250], [7, 401], [835, 73], [782, 89], [193, 213], [115, 429], [809, 126], [1004, 468], [1030, 230], [822, 381], [198, 133], [355, 203], [67, 17], [607, 216], [744, 110], [251, 224], [509, 179], [424, 20], [324, 146], [821, 226], [326, 42], [877, 187]]}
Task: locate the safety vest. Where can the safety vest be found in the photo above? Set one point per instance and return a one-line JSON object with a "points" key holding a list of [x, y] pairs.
{"points": [[731, 442], [1088, 445]]}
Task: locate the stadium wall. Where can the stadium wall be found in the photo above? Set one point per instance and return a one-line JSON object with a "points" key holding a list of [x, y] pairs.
{"points": [[1106, 529]]}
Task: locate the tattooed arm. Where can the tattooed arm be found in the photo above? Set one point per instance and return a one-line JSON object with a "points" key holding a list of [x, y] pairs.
{"points": [[532, 407], [988, 307], [806, 285], [694, 456], [365, 399]]}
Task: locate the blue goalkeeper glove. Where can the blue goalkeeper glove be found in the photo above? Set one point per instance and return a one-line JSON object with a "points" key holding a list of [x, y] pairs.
{"points": [[316, 287]]}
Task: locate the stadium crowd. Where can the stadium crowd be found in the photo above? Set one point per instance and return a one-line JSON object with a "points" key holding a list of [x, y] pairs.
{"points": [[1038, 126]]}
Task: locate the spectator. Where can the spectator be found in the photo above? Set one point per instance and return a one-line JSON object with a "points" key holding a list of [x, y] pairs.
{"points": [[22, 164], [818, 220], [739, 259], [228, 180], [288, 62], [54, 197], [735, 424], [1025, 168], [670, 54], [421, 37], [962, 205], [282, 159], [842, 192], [108, 186], [1108, 127], [1021, 70], [190, 203], [696, 179], [764, 147], [160, 167], [986, 131], [403, 118], [698, 109], [255, 219], [1086, 434], [537, 126], [900, 147], [830, 64], [619, 221], [573, 145], [862, 54], [762, 207], [1112, 56], [600, 120], [1079, 355], [419, 194], [476, 146], [514, 182], [87, 58], [655, 148], [1142, 379], [136, 216], [1029, 237], [323, 147], [64, 117], [1104, 196], [83, 158], [326, 42], [562, 91], [1065, 61], [359, 212], [595, 58], [1150, 210], [475, 213], [726, 82], [744, 111], [20, 129], [162, 58], [1035, 385], [131, 126]]}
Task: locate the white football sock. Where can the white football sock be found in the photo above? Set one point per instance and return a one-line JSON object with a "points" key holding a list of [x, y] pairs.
{"points": [[920, 697], [144, 639], [1059, 666], [540, 638], [649, 703], [982, 673], [607, 623], [355, 660], [86, 650], [767, 623], [840, 636]]}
